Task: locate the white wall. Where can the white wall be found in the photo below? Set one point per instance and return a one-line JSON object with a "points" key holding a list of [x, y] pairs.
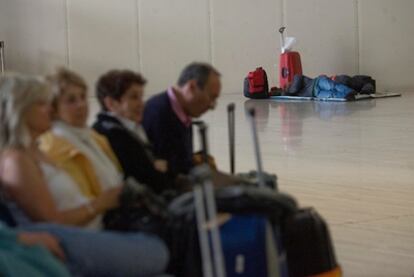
{"points": [[35, 35], [326, 31], [387, 42], [2, 20], [158, 37]]}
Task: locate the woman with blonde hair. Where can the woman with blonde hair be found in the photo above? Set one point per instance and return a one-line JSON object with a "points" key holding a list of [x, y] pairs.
{"points": [[35, 184], [35, 190], [84, 154]]}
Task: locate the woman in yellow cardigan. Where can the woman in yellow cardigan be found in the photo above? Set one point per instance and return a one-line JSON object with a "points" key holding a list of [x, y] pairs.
{"points": [[84, 154]]}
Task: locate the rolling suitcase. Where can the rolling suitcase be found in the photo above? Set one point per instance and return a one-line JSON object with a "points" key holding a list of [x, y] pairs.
{"points": [[250, 244], [308, 244], [247, 242], [306, 237], [289, 63], [244, 244]]}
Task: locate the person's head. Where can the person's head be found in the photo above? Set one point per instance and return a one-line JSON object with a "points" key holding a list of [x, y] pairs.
{"points": [[200, 86], [69, 102], [121, 92], [24, 109]]}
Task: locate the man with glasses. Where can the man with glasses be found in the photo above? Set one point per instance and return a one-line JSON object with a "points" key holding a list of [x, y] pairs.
{"points": [[168, 115]]}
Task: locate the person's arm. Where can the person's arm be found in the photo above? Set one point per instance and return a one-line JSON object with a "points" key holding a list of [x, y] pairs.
{"points": [[83, 214], [43, 239], [134, 160], [32, 238], [26, 185]]}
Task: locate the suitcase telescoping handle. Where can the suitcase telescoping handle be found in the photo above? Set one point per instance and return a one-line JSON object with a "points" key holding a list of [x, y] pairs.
{"points": [[282, 39], [206, 213], [202, 129], [232, 138], [2, 56], [252, 116]]}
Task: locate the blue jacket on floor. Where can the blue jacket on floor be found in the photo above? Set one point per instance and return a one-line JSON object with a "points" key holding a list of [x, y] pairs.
{"points": [[326, 88]]}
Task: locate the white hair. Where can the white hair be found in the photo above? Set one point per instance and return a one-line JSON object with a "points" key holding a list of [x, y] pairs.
{"points": [[17, 93]]}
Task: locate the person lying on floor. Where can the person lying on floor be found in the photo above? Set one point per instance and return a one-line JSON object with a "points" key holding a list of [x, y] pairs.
{"points": [[320, 87], [120, 94], [36, 190]]}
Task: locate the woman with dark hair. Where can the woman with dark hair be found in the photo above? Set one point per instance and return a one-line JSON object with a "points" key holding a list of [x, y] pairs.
{"points": [[120, 94]]}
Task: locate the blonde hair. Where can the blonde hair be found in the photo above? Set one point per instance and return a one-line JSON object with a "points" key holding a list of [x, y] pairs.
{"points": [[60, 80], [17, 93]]}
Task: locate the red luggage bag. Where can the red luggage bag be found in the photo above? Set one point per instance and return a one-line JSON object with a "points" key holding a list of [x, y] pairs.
{"points": [[289, 64]]}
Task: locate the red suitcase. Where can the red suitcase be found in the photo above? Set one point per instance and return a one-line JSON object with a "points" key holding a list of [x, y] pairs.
{"points": [[289, 64]]}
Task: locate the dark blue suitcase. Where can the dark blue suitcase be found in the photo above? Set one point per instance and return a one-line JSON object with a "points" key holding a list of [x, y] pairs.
{"points": [[249, 242], [252, 247]]}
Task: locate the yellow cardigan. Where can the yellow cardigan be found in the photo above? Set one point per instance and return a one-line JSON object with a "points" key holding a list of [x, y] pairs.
{"points": [[75, 163]]}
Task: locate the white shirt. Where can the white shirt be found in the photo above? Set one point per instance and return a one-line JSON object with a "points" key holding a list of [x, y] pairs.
{"points": [[65, 192], [132, 126]]}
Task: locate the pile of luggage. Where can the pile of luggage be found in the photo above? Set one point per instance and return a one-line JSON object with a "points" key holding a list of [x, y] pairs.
{"points": [[292, 82], [249, 229], [243, 228]]}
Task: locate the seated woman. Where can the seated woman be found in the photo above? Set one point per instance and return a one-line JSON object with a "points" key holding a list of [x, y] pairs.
{"points": [[32, 183], [120, 94], [40, 189], [84, 154]]}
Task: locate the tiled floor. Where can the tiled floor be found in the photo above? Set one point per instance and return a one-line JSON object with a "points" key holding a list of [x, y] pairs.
{"points": [[354, 162]]}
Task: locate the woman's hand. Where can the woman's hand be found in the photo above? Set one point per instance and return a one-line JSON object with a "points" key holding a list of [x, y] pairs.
{"points": [[161, 165], [44, 239], [109, 199]]}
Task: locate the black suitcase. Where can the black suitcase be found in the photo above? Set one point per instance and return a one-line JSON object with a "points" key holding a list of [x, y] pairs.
{"points": [[308, 244]]}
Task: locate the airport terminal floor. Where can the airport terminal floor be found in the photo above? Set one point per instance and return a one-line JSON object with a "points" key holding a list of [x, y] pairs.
{"points": [[354, 162]]}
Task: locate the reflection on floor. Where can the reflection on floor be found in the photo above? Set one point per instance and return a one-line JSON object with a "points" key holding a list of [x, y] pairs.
{"points": [[353, 161]]}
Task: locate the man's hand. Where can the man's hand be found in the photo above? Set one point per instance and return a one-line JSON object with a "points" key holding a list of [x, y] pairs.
{"points": [[161, 165]]}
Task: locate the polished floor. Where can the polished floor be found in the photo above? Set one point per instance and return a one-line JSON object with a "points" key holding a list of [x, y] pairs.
{"points": [[354, 162]]}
